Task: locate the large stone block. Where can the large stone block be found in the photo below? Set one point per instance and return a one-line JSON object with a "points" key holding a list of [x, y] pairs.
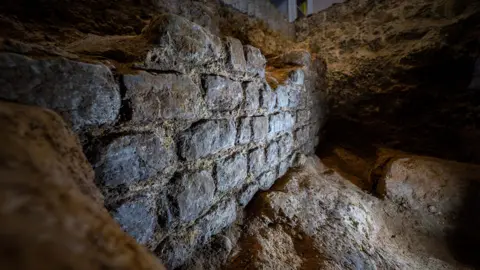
{"points": [[247, 194], [222, 94], [259, 128], [296, 97], [283, 167], [244, 130], [221, 216], [231, 172], [282, 96], [272, 153], [303, 116], [285, 145], [83, 94], [163, 96], [180, 45], [302, 135], [138, 219], [281, 122], [256, 161], [297, 77], [133, 158], [207, 138], [268, 98], [266, 180], [252, 96], [255, 61], [236, 57], [193, 194]]}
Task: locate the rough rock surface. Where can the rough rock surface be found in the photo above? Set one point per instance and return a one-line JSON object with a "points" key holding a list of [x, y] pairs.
{"points": [[316, 219]]}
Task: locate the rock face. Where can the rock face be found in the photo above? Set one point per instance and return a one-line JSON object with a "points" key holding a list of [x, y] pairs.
{"points": [[316, 219], [181, 126], [52, 214]]}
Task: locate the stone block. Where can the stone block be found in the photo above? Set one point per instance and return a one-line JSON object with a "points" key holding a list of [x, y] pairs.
{"points": [[83, 94], [244, 134], [303, 116], [180, 44], [280, 122], [283, 167], [268, 98], [301, 135], [282, 96], [133, 158], [285, 145], [247, 194], [297, 77], [163, 96], [231, 172], [222, 94], [236, 57], [137, 218], [252, 96], [296, 97], [206, 138], [256, 62], [256, 161], [220, 217], [272, 153], [193, 194], [266, 180], [259, 128]]}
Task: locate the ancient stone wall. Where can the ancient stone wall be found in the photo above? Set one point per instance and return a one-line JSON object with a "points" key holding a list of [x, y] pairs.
{"points": [[180, 138], [265, 11]]}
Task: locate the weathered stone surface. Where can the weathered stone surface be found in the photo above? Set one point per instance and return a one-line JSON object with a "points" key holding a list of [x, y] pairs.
{"points": [[236, 57], [294, 58], [138, 219], [247, 194], [296, 97], [163, 96], [303, 116], [268, 98], [302, 135], [259, 128], [272, 153], [84, 94], [222, 94], [231, 172], [134, 158], [244, 130], [222, 215], [255, 61], [282, 96], [266, 180], [252, 96], [280, 122], [283, 167], [180, 44], [193, 194], [285, 145], [51, 210], [297, 77], [256, 161], [207, 138]]}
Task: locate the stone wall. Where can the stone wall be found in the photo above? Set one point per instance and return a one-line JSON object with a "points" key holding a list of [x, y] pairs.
{"points": [[182, 136], [265, 11]]}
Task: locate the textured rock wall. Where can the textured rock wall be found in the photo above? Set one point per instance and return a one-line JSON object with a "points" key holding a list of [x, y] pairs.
{"points": [[183, 135]]}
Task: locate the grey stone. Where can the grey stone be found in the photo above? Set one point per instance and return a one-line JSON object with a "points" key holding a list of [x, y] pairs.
{"points": [[194, 194], [283, 167], [296, 97], [252, 96], [268, 98], [207, 138], [281, 122], [259, 128], [255, 61], [285, 145], [83, 94], [303, 116], [221, 216], [180, 45], [282, 96], [302, 135], [256, 161], [231, 172], [222, 94], [244, 130], [247, 194], [163, 96], [138, 219], [297, 77], [267, 180], [134, 158], [236, 57], [272, 153]]}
